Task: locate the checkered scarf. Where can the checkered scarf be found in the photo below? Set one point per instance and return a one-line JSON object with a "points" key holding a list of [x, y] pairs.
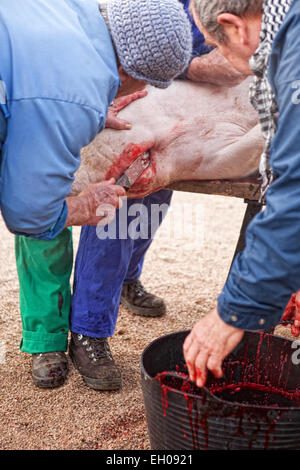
{"points": [[261, 94]]}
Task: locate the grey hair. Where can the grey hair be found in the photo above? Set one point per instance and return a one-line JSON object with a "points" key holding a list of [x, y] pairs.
{"points": [[209, 10]]}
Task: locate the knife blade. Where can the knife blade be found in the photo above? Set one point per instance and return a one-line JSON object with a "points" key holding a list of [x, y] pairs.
{"points": [[134, 171]]}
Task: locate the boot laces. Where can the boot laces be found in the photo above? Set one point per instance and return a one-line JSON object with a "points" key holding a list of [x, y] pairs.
{"points": [[97, 348], [139, 289]]}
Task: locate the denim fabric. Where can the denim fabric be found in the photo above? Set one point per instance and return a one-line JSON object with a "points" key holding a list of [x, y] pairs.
{"points": [[101, 268]]}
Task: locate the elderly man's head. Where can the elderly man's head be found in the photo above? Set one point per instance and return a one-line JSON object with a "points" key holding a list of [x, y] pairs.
{"points": [[152, 38], [231, 25]]}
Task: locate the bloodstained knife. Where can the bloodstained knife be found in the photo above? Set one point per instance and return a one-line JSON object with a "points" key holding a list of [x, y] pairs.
{"points": [[134, 171]]}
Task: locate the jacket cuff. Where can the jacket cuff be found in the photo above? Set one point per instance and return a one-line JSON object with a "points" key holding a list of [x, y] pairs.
{"points": [[54, 230], [249, 321]]}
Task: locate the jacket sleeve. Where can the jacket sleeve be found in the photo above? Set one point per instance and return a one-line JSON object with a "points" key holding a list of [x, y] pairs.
{"points": [[40, 156], [265, 275]]}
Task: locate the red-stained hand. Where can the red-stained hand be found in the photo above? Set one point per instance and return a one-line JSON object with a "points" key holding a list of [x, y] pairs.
{"points": [[95, 204], [292, 313], [209, 342], [112, 120]]}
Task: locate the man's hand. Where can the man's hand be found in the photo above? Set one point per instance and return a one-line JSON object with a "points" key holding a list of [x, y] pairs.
{"points": [[112, 120], [213, 68], [292, 313], [96, 203], [210, 341]]}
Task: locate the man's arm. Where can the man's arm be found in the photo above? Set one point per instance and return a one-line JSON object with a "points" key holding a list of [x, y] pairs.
{"points": [[213, 68], [267, 272], [264, 276], [41, 155]]}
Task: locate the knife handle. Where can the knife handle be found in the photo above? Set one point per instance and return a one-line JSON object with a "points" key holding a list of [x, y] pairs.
{"points": [[124, 182]]}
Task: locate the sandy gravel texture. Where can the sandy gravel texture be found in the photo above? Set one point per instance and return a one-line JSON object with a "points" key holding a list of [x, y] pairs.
{"points": [[189, 274]]}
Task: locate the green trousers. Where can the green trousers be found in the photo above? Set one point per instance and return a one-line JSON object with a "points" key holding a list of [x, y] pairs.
{"points": [[44, 270]]}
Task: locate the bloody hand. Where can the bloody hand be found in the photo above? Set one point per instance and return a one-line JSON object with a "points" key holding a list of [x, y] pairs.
{"points": [[209, 342], [96, 204], [112, 120], [292, 314]]}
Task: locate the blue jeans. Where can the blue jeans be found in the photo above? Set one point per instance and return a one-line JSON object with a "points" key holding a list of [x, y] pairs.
{"points": [[102, 266]]}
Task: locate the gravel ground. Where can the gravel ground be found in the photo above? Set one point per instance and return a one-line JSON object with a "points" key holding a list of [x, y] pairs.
{"points": [[189, 273]]}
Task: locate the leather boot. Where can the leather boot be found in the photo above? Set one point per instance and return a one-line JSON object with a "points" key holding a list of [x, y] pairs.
{"points": [[137, 300], [93, 360], [49, 370]]}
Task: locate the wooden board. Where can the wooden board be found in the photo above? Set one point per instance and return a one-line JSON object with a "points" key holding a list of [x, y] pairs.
{"points": [[246, 189]]}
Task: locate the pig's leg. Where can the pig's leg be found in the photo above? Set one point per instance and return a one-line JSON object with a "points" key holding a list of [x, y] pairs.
{"points": [[237, 160], [188, 155]]}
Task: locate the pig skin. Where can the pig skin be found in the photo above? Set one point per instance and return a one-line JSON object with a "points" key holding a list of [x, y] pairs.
{"points": [[193, 132]]}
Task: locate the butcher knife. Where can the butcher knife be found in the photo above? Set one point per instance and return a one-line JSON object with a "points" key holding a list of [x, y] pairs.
{"points": [[134, 171]]}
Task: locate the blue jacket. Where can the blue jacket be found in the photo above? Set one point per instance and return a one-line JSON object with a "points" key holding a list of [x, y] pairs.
{"points": [[59, 68], [268, 271]]}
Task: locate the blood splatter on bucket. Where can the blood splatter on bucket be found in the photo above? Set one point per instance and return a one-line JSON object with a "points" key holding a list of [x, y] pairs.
{"points": [[256, 405]]}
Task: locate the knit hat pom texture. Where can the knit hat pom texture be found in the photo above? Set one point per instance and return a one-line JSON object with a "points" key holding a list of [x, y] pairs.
{"points": [[153, 38]]}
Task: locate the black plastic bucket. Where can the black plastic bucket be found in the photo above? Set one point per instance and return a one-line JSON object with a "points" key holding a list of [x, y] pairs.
{"points": [[203, 419]]}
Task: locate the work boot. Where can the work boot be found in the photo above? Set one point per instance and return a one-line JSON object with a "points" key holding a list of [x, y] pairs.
{"points": [[50, 369], [93, 359], [135, 297]]}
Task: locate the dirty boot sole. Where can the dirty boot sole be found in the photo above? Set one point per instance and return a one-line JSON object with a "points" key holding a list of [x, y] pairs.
{"points": [[100, 384], [52, 381], [49, 382], [143, 311]]}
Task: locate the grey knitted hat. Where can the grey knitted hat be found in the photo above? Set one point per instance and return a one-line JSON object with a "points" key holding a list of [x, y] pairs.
{"points": [[153, 38]]}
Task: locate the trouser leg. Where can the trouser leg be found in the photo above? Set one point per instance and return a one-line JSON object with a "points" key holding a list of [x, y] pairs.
{"points": [[101, 267], [44, 270], [160, 198]]}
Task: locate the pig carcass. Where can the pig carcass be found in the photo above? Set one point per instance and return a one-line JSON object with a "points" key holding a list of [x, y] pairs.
{"points": [[191, 132]]}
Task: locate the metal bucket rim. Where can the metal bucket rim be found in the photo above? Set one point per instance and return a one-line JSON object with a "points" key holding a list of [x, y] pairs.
{"points": [[211, 395]]}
